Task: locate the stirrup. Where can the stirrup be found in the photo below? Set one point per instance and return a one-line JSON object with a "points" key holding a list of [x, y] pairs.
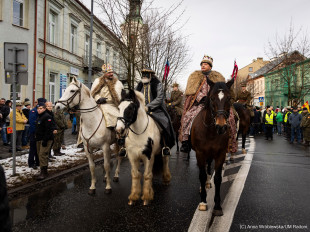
{"points": [[162, 151]]}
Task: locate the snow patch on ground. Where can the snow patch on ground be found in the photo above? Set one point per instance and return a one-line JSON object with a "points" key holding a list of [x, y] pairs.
{"points": [[24, 174]]}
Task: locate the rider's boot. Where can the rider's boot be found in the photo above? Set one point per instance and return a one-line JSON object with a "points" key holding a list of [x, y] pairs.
{"points": [[185, 147]]}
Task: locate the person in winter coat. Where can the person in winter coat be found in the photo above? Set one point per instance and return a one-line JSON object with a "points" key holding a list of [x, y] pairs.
{"points": [[279, 119], [5, 222], [295, 120], [25, 136], [21, 120], [305, 124], [176, 99], [44, 138], [4, 112]]}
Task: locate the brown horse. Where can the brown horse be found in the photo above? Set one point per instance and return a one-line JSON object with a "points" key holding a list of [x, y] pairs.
{"points": [[209, 138], [244, 124], [176, 123]]}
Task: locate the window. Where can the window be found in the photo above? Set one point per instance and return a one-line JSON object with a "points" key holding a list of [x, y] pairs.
{"points": [[52, 27], [107, 55], [73, 38], [114, 61], [250, 69], [52, 87], [98, 51], [86, 52], [18, 12]]}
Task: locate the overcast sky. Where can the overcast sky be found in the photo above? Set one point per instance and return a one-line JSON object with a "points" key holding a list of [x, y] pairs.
{"points": [[235, 29]]}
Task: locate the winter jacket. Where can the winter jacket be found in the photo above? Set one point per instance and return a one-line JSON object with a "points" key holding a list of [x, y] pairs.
{"points": [[44, 127], [51, 113], [5, 222], [305, 122], [20, 120], [33, 115], [295, 119], [26, 112], [279, 117]]}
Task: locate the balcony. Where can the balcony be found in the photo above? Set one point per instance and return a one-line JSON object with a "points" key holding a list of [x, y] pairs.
{"points": [[96, 64]]}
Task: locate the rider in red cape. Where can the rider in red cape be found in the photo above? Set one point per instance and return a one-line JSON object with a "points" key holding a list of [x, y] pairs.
{"points": [[153, 93], [196, 90]]}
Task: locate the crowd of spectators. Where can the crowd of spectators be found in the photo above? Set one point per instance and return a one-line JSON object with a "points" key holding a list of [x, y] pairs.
{"points": [[291, 122]]}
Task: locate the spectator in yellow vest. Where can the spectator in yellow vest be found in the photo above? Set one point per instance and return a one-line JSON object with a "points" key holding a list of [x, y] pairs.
{"points": [[269, 122]]}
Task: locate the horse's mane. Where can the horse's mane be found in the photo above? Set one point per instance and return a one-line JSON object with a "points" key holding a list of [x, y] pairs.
{"points": [[238, 106], [140, 98]]}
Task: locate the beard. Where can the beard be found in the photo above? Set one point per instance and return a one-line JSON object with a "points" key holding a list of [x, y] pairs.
{"points": [[145, 80]]}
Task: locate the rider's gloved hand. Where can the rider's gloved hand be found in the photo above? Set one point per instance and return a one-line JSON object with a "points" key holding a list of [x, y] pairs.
{"points": [[101, 100]]}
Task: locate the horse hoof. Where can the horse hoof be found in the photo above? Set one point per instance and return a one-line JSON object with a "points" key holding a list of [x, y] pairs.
{"points": [[115, 179], [243, 151], [145, 202], [91, 192], [217, 212], [131, 202], [108, 191], [104, 179], [203, 206], [208, 185]]}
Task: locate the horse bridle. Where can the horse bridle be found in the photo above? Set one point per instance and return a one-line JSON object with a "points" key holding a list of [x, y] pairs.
{"points": [[217, 113], [127, 122], [67, 102]]}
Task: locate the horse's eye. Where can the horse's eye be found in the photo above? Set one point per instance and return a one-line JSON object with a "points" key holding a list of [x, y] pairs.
{"points": [[72, 91]]}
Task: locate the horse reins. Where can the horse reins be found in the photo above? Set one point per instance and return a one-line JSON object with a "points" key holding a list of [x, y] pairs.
{"points": [[67, 102]]}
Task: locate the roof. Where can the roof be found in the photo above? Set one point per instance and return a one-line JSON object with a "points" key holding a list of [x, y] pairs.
{"points": [[268, 67]]}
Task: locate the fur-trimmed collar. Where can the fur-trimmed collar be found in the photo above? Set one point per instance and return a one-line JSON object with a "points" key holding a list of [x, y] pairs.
{"points": [[103, 81], [196, 78]]}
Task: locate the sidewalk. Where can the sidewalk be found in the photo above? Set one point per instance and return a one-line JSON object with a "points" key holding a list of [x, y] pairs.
{"points": [[25, 175], [4, 150]]}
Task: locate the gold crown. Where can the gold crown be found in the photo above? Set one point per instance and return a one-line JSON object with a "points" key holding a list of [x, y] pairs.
{"points": [[207, 59], [106, 68]]}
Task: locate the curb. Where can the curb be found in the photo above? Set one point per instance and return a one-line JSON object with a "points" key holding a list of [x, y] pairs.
{"points": [[24, 189]]}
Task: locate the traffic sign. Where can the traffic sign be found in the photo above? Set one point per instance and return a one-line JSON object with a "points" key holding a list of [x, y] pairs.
{"points": [[261, 99]]}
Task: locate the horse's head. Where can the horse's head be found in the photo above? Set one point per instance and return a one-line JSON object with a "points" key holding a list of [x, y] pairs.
{"points": [[71, 96], [128, 110], [219, 103]]}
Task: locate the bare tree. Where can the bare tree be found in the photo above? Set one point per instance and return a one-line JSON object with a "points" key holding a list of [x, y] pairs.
{"points": [[148, 42], [293, 72]]}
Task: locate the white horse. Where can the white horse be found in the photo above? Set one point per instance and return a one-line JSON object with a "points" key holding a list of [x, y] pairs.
{"points": [[94, 133], [142, 142]]}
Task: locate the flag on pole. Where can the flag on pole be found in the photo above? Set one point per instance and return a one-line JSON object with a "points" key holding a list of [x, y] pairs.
{"points": [[235, 71], [167, 68], [306, 105]]}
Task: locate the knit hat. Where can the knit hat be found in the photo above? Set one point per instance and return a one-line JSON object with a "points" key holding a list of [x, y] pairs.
{"points": [[207, 59], [19, 104], [106, 68], [41, 99], [27, 103]]}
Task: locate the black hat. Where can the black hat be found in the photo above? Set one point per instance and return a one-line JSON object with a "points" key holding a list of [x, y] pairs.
{"points": [[41, 104], [147, 70], [41, 99]]}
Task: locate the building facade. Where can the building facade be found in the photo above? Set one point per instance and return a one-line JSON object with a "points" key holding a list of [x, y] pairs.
{"points": [[17, 26], [58, 35], [297, 76]]}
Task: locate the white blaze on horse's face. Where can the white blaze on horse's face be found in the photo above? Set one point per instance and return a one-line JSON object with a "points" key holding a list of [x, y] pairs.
{"points": [[221, 95], [120, 126]]}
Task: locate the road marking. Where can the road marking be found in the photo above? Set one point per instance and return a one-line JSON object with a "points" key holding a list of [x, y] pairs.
{"points": [[232, 198], [202, 219]]}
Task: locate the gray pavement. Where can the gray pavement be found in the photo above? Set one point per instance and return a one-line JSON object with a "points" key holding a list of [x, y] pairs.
{"points": [[276, 193]]}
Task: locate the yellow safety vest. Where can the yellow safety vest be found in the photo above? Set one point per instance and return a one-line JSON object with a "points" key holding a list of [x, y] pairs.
{"points": [[285, 118], [269, 119]]}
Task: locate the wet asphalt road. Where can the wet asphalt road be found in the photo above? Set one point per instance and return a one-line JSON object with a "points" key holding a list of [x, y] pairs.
{"points": [[66, 206], [277, 189]]}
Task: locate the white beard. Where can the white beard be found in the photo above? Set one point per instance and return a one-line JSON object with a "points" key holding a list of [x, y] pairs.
{"points": [[146, 80]]}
